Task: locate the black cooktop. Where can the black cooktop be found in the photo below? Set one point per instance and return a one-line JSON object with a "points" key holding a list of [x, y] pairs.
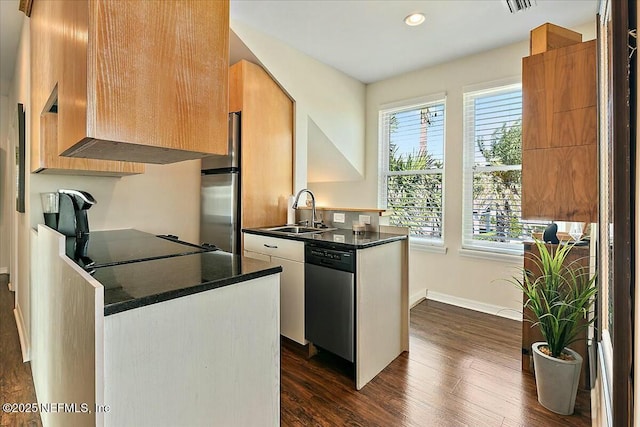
{"points": [[107, 248]]}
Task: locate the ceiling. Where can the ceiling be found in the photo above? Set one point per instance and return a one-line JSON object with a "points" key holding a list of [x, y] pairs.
{"points": [[367, 39]]}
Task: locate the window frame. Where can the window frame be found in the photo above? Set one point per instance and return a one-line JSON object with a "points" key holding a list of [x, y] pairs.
{"points": [[469, 168], [420, 242]]}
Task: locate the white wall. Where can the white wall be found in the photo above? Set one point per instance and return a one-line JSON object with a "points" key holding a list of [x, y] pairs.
{"points": [[5, 185], [165, 199], [329, 109], [451, 274]]}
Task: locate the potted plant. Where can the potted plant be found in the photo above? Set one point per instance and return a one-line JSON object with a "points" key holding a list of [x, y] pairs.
{"points": [[558, 299]]}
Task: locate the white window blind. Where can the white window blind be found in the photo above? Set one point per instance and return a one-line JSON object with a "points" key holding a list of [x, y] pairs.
{"points": [[492, 171], [412, 166]]}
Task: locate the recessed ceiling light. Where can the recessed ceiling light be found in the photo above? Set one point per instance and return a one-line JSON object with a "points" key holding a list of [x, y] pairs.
{"points": [[414, 19]]}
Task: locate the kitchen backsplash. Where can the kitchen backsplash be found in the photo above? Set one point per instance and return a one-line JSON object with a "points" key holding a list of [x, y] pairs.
{"points": [[329, 216]]}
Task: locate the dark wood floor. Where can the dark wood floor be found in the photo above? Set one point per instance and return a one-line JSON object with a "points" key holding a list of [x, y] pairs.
{"points": [[463, 369], [16, 384]]}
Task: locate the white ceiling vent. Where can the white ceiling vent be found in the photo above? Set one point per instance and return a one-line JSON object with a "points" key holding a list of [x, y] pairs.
{"points": [[518, 5]]}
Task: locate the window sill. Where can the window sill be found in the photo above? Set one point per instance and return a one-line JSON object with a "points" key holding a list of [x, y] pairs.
{"points": [[493, 256], [423, 246]]}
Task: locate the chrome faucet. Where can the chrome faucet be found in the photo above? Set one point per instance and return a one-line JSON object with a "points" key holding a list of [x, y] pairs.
{"points": [[314, 220]]}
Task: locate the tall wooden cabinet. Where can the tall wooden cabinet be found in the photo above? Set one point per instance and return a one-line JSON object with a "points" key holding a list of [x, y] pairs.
{"points": [[140, 81], [266, 115], [559, 131]]}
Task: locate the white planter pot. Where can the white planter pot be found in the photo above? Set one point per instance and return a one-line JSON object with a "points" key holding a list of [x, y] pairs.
{"points": [[556, 380]]}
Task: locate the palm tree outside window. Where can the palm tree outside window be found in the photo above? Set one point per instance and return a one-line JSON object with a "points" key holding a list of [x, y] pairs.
{"points": [[412, 166], [493, 171]]}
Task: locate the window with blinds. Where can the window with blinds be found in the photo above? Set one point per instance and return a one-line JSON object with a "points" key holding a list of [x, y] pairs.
{"points": [[492, 171], [412, 166]]}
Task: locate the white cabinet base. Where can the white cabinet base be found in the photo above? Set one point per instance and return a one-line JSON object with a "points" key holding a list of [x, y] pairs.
{"points": [[382, 311], [199, 360], [290, 255], [206, 359], [292, 297]]}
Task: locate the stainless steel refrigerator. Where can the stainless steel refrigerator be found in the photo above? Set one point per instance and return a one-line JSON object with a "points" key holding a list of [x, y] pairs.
{"points": [[220, 194]]}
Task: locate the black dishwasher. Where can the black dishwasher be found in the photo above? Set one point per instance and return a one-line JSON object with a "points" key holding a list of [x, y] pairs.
{"points": [[329, 299]]}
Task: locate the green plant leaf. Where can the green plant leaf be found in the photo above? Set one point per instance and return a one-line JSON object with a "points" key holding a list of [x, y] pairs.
{"points": [[560, 298]]}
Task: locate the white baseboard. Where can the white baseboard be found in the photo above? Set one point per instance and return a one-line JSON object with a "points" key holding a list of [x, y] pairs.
{"points": [[22, 334], [417, 298], [482, 307], [601, 394]]}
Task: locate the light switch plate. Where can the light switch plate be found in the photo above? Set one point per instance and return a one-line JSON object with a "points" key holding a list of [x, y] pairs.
{"points": [[365, 219], [338, 217]]}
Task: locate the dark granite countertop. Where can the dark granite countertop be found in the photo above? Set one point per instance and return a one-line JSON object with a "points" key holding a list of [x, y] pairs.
{"points": [[132, 285], [138, 268], [339, 239]]}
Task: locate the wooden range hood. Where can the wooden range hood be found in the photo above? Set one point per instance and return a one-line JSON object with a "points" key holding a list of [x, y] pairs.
{"points": [[139, 81]]}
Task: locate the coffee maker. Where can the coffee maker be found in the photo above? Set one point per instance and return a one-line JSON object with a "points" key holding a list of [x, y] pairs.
{"points": [[66, 212], [72, 219]]}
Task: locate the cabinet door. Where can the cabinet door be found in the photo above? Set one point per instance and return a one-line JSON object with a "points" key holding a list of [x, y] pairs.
{"points": [[50, 21], [290, 255], [559, 128], [145, 81], [282, 248], [291, 299], [291, 295], [267, 144]]}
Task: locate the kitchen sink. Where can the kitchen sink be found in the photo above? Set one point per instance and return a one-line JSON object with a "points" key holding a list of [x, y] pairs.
{"points": [[296, 229]]}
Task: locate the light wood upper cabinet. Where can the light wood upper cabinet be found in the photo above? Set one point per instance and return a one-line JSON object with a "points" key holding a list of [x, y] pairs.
{"points": [[559, 132], [143, 81], [47, 58], [266, 115]]}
